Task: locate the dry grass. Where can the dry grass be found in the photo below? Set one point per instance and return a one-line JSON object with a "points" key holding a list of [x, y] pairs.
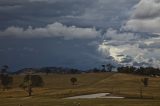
{"points": [[59, 86]]}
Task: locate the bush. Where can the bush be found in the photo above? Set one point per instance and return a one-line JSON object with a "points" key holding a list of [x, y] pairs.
{"points": [[6, 81], [36, 81], [73, 80]]}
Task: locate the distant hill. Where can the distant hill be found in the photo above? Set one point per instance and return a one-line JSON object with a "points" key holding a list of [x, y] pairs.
{"points": [[57, 70], [26, 70]]}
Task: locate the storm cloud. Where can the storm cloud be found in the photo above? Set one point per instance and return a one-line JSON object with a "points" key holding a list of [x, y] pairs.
{"points": [[145, 17], [81, 13], [137, 42], [130, 48], [79, 33]]}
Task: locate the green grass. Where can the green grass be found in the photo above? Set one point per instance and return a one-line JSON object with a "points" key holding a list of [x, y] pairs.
{"points": [[58, 86]]}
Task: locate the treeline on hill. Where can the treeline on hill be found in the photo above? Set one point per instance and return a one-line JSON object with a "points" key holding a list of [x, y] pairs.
{"points": [[104, 68], [47, 70], [62, 70], [149, 71]]}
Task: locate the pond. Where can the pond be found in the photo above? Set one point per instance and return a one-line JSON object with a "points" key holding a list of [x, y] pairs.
{"points": [[97, 95]]}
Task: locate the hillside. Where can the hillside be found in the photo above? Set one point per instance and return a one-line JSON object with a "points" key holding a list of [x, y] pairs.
{"points": [[58, 86]]}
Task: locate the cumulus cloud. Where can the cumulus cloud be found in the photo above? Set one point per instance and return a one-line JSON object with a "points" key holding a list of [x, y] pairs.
{"points": [[145, 17], [51, 30], [146, 9], [115, 35], [39, 0], [130, 54], [47, 0], [129, 49], [137, 49]]}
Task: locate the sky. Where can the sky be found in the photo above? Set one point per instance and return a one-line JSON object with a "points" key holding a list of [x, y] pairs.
{"points": [[80, 34]]}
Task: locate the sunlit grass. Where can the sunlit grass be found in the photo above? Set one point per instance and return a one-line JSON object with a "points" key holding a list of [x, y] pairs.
{"points": [[58, 86]]}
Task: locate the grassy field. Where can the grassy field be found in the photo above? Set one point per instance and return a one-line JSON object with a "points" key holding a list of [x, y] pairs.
{"points": [[59, 86]]}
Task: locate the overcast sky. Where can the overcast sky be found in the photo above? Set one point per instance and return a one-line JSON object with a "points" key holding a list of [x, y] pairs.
{"points": [[79, 33]]}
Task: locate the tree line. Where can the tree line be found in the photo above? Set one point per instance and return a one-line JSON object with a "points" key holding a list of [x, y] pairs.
{"points": [[149, 71]]}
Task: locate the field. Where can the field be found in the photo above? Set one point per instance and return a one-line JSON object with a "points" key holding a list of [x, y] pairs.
{"points": [[58, 86]]}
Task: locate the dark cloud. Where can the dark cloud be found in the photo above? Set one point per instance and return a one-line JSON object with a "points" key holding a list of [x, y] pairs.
{"points": [[84, 13], [38, 13], [48, 21], [49, 52]]}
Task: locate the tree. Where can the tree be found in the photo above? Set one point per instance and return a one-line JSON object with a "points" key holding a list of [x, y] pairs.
{"points": [[47, 71], [141, 92], [74, 71], [30, 81], [103, 68], [73, 80], [5, 79], [145, 82], [127, 69], [109, 67], [4, 69], [96, 70]]}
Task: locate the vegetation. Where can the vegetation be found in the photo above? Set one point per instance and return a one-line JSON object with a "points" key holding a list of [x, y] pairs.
{"points": [[58, 86], [73, 80], [31, 81], [145, 82], [138, 88], [150, 71], [6, 80], [105, 68]]}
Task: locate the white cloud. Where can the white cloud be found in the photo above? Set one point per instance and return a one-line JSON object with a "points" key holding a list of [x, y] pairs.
{"points": [[145, 25], [130, 54], [132, 48], [127, 48], [51, 30], [44, 0], [115, 35], [147, 9], [145, 17]]}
